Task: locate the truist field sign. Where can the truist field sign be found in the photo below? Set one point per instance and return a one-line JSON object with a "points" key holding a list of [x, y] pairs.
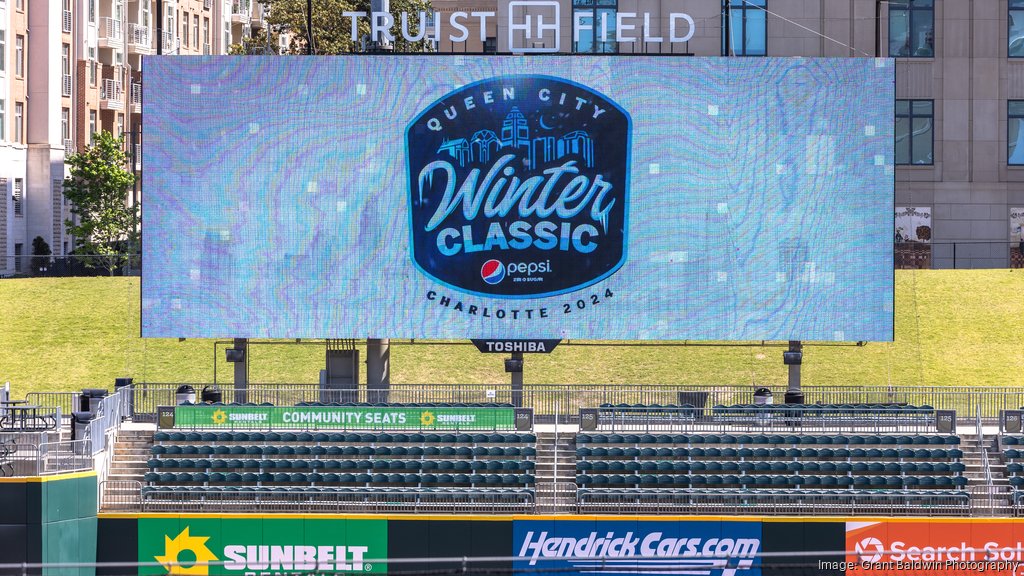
{"points": [[519, 187], [533, 26]]}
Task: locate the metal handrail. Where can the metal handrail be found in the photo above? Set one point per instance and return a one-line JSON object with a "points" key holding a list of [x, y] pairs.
{"points": [[542, 398]]}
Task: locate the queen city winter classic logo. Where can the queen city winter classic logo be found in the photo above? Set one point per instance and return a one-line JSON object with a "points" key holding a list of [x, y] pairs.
{"points": [[519, 187]]}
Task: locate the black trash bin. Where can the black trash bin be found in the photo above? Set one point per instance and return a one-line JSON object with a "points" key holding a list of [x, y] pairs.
{"points": [[121, 383], [794, 397], [763, 396], [212, 395], [185, 394], [79, 423], [89, 401]]}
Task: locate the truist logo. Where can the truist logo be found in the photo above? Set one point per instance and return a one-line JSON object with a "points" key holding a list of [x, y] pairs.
{"points": [[522, 179]]}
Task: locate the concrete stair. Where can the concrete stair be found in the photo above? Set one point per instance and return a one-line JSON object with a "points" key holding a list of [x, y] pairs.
{"points": [[556, 472], [127, 468], [983, 504]]}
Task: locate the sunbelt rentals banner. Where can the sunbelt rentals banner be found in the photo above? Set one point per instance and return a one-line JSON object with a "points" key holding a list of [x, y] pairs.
{"points": [[344, 417], [265, 546]]}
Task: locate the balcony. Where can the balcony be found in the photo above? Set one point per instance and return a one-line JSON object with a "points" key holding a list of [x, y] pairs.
{"points": [[111, 95], [110, 34], [66, 85], [207, 4], [171, 43], [139, 40], [257, 19], [240, 11], [66, 21], [136, 97]]}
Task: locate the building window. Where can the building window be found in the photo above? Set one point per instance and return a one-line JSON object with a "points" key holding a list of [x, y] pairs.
{"points": [[744, 28], [19, 55], [19, 122], [914, 134], [595, 20], [92, 127], [18, 197], [184, 29], [490, 45], [19, 5], [195, 31], [3, 50], [65, 123], [66, 17], [1015, 22], [912, 28], [1015, 132], [3, 119], [92, 11], [120, 124], [17, 257], [66, 70]]}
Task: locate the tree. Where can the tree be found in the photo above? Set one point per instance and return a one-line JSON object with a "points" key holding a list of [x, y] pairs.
{"points": [[105, 224], [332, 31], [40, 255]]}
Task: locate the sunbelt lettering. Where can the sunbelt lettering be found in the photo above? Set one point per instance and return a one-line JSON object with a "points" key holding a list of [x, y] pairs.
{"points": [[456, 418], [319, 558], [652, 545], [235, 417]]}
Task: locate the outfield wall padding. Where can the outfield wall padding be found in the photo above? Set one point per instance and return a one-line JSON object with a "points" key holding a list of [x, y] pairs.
{"points": [[49, 519], [287, 543]]}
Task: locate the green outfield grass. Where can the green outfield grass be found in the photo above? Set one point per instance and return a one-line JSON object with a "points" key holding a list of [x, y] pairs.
{"points": [[957, 327]]}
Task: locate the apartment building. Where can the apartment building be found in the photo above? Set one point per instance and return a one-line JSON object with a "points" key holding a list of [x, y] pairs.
{"points": [[71, 68], [960, 88]]}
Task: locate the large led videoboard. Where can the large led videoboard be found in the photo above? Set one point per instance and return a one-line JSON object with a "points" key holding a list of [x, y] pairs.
{"points": [[518, 197]]}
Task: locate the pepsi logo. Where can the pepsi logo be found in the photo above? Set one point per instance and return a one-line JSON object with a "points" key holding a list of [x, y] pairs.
{"points": [[493, 271]]}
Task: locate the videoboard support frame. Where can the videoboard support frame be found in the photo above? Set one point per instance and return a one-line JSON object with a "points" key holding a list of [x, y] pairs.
{"points": [[794, 358], [517, 380], [242, 371], [378, 369]]}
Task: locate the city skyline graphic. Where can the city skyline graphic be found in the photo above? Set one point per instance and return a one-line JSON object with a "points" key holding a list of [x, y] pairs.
{"points": [[484, 145]]}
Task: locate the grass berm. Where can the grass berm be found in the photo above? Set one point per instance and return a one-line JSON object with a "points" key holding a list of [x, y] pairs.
{"points": [[953, 328]]}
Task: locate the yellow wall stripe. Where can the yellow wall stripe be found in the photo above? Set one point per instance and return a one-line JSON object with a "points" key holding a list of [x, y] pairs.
{"points": [[48, 478]]}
